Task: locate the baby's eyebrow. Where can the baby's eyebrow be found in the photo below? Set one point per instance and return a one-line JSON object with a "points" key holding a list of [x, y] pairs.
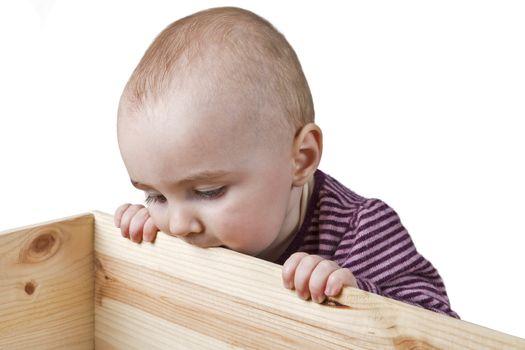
{"points": [[200, 176]]}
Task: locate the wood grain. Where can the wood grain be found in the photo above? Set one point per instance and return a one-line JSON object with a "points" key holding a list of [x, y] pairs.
{"points": [[75, 283], [172, 295], [47, 285]]}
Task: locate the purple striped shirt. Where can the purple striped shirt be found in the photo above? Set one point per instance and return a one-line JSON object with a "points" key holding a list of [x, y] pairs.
{"points": [[367, 237]]}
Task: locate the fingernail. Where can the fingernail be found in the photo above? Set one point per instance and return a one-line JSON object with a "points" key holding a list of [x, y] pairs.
{"points": [[329, 291]]}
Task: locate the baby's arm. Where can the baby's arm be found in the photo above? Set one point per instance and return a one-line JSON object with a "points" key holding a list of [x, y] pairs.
{"points": [[381, 258], [134, 222], [385, 261]]}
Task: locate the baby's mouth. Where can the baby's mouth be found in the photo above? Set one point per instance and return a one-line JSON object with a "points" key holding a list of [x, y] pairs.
{"points": [[195, 239]]}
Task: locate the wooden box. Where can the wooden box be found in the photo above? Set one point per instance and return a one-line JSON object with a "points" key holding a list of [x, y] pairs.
{"points": [[75, 283]]}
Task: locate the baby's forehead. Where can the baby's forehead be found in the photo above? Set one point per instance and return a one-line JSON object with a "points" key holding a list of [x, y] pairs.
{"points": [[192, 121], [192, 110], [193, 141]]}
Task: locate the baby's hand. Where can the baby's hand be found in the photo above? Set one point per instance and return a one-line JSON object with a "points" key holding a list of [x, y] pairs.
{"points": [[314, 276], [134, 222]]}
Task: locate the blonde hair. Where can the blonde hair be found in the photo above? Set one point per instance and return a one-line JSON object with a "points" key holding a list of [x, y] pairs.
{"points": [[256, 56]]}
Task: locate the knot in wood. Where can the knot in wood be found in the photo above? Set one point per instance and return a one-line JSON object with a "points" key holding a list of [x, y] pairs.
{"points": [[44, 244], [30, 288]]}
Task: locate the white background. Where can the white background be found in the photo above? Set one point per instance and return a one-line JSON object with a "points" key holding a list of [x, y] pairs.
{"points": [[421, 103]]}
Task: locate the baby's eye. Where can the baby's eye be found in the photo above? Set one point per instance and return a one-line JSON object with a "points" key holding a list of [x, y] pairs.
{"points": [[155, 199], [211, 194]]}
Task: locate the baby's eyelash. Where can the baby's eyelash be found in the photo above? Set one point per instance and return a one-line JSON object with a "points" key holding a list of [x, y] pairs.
{"points": [[154, 199], [211, 194]]}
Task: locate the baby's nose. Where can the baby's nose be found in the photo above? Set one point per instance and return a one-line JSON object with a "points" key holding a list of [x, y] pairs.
{"points": [[182, 223]]}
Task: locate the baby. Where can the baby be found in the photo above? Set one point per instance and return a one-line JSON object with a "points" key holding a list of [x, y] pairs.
{"points": [[216, 126]]}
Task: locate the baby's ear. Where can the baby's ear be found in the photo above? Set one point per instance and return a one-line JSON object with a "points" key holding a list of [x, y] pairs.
{"points": [[307, 151]]}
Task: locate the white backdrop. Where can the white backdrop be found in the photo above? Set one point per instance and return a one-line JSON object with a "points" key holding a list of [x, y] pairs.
{"points": [[421, 103]]}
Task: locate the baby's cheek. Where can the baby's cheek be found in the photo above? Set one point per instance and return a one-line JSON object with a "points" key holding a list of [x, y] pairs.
{"points": [[240, 231], [233, 229], [249, 220]]}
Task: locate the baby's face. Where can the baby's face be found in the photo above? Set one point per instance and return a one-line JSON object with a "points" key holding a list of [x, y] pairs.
{"points": [[208, 179]]}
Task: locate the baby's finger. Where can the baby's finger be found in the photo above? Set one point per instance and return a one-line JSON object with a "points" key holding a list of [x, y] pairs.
{"points": [[127, 217], [136, 225], [150, 230], [319, 278], [338, 279], [118, 213], [302, 275], [289, 267]]}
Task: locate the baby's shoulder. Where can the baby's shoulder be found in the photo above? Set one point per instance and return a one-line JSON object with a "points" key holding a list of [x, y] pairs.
{"points": [[333, 191], [335, 196]]}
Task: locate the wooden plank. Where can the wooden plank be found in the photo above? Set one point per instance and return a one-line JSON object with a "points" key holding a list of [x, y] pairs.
{"points": [[172, 295], [47, 285], [146, 327]]}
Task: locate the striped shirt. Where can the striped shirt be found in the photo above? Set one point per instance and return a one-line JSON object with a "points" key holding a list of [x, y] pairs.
{"points": [[367, 237]]}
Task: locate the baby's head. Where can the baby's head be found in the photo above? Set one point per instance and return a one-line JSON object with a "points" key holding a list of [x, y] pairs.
{"points": [[216, 126]]}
